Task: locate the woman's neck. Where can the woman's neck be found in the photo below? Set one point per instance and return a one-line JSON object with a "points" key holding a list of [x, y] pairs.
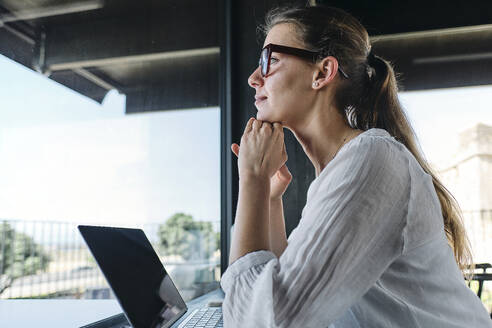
{"points": [[322, 136]]}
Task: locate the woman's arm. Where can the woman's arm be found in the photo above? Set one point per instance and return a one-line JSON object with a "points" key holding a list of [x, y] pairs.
{"points": [[262, 155], [278, 236], [352, 230], [278, 185], [251, 225], [251, 204]]}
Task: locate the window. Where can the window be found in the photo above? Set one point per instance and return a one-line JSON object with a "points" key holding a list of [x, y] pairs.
{"points": [[454, 127], [121, 128]]}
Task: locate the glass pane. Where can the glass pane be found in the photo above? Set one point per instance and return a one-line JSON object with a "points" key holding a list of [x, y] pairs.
{"points": [[454, 127], [121, 128]]}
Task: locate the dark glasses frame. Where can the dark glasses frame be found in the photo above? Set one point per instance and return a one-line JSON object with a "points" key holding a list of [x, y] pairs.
{"points": [[266, 56]]}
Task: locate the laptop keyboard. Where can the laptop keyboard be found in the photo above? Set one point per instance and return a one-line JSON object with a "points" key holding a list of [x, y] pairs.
{"points": [[206, 317]]}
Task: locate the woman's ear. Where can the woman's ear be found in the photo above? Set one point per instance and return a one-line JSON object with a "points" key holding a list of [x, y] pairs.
{"points": [[326, 70]]}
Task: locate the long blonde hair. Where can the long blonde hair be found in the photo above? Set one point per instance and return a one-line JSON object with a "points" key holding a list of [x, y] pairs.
{"points": [[369, 98]]}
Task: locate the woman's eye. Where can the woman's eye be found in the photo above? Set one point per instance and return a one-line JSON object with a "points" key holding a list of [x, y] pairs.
{"points": [[273, 60]]}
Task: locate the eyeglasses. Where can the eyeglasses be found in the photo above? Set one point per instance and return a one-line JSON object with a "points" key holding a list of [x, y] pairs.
{"points": [[266, 56]]}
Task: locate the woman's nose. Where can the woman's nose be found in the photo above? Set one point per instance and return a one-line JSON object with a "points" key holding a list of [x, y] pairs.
{"points": [[255, 79]]}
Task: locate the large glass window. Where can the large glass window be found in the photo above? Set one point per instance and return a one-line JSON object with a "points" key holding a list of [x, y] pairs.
{"points": [[108, 116], [454, 127]]}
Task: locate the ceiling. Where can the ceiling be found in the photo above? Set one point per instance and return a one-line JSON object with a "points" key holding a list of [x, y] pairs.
{"points": [[144, 49], [159, 53], [433, 43]]}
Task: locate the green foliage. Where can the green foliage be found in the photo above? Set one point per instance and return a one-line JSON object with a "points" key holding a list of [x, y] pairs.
{"points": [[19, 254], [192, 240]]}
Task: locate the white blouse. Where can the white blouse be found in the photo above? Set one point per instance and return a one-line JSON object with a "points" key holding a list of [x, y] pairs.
{"points": [[369, 251]]}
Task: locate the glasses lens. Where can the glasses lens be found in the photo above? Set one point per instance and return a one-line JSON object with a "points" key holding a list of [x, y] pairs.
{"points": [[264, 62]]}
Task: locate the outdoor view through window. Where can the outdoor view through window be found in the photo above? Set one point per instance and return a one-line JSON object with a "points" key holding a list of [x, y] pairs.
{"points": [[67, 160], [454, 127]]}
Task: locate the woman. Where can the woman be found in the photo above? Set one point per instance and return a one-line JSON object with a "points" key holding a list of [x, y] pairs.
{"points": [[380, 242]]}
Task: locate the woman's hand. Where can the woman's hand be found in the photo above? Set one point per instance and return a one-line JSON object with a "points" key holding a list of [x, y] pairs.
{"points": [[281, 178], [262, 150]]}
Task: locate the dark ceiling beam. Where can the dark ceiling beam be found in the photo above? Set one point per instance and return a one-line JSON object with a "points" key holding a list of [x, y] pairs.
{"points": [[144, 35], [147, 57], [56, 10], [17, 41], [184, 84], [80, 84], [16, 45], [439, 59], [100, 81], [172, 97], [452, 41], [21, 35]]}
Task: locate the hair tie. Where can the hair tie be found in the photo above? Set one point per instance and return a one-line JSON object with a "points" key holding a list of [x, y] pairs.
{"points": [[370, 65]]}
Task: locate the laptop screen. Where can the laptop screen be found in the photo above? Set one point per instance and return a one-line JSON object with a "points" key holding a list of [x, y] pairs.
{"points": [[136, 275]]}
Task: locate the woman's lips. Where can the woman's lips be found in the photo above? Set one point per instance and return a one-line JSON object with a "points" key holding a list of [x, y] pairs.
{"points": [[259, 100]]}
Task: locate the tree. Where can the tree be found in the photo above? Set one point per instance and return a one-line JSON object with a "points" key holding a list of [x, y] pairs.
{"points": [[192, 240], [19, 255]]}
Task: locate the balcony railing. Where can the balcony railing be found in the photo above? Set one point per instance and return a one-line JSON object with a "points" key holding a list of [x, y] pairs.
{"points": [[40, 259]]}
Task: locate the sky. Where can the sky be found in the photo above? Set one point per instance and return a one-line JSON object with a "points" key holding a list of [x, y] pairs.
{"points": [[64, 157], [438, 116]]}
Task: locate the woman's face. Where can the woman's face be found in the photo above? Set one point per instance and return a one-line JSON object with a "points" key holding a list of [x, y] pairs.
{"points": [[283, 94]]}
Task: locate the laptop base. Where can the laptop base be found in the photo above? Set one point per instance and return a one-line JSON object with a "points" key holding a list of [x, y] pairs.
{"points": [[115, 321]]}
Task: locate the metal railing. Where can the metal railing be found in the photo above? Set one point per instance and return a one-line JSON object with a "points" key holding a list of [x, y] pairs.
{"points": [[41, 259]]}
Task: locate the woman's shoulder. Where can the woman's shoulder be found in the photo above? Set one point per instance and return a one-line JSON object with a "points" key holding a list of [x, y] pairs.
{"points": [[374, 149], [376, 139], [372, 157], [377, 147]]}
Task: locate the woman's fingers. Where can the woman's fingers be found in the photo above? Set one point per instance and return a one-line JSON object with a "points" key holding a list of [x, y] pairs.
{"points": [[266, 128], [256, 125], [235, 149], [278, 126], [249, 125], [262, 148]]}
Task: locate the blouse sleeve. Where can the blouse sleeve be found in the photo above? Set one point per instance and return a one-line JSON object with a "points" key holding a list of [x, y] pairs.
{"points": [[350, 232]]}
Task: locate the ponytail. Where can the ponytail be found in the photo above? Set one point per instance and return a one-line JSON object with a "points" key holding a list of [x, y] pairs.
{"points": [[386, 112]]}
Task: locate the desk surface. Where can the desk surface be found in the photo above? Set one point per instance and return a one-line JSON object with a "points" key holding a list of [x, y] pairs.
{"points": [[72, 313]]}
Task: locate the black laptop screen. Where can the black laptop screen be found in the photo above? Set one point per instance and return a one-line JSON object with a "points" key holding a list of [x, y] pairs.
{"points": [[136, 275]]}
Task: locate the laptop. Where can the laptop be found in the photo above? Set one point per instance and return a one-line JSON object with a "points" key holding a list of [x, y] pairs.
{"points": [[140, 283]]}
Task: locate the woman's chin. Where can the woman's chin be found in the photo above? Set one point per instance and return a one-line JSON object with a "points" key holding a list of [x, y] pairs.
{"points": [[262, 116]]}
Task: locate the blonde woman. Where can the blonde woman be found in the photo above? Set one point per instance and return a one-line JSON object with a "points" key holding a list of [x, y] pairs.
{"points": [[380, 242]]}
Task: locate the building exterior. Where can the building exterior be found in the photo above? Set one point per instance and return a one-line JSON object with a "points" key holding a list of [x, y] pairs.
{"points": [[468, 175]]}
